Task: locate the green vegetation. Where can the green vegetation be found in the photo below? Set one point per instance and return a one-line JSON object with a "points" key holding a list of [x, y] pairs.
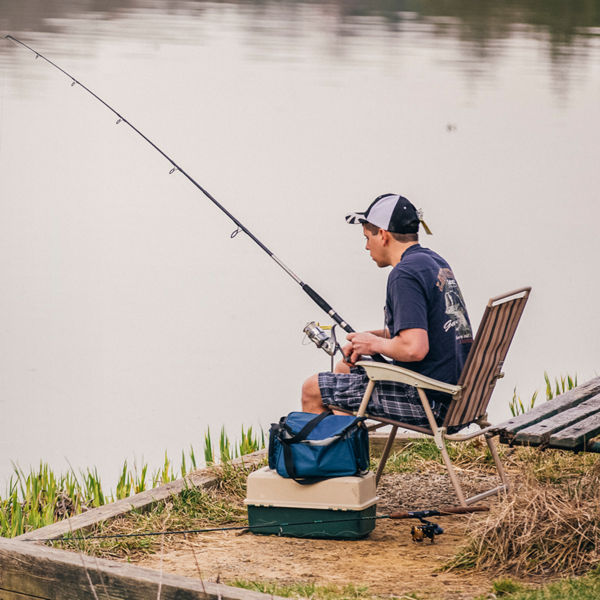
{"points": [[560, 385], [249, 442], [549, 466], [308, 590], [581, 588], [41, 497], [505, 587], [423, 454]]}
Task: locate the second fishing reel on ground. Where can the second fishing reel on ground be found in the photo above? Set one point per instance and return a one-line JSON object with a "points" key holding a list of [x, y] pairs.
{"points": [[315, 333], [427, 529]]}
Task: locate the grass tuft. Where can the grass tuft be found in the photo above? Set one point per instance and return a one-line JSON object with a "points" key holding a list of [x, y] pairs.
{"points": [[582, 588], [505, 586], [539, 528], [423, 454], [307, 590]]}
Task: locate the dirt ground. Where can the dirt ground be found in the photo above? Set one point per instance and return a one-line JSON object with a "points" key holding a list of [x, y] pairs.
{"points": [[387, 561]]}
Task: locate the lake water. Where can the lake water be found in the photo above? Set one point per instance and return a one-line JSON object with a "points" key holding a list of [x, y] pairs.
{"points": [[130, 321]]}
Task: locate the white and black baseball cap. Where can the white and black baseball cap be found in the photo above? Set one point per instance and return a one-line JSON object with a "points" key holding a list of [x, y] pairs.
{"points": [[391, 212]]}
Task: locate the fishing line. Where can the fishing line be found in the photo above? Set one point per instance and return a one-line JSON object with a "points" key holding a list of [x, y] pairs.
{"points": [[87, 573], [3, 100], [319, 300], [419, 514]]}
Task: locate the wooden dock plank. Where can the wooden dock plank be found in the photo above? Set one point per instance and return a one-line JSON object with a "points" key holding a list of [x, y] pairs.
{"points": [[576, 436], [508, 429], [201, 478], [540, 433], [29, 571]]}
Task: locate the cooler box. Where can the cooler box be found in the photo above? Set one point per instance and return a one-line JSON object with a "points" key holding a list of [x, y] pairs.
{"points": [[337, 508]]}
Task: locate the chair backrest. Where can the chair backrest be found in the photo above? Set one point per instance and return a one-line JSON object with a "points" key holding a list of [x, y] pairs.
{"points": [[483, 366]]}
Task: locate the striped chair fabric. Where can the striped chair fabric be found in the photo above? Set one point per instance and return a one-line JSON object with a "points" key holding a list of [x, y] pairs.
{"points": [[486, 358]]}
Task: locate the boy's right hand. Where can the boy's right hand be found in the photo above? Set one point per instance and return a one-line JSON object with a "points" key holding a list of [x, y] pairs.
{"points": [[347, 352]]}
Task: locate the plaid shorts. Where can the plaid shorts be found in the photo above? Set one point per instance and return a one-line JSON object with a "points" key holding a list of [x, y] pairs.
{"points": [[389, 399]]}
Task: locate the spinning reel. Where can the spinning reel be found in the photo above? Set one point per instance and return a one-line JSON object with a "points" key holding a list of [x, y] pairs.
{"points": [[315, 333], [427, 529]]}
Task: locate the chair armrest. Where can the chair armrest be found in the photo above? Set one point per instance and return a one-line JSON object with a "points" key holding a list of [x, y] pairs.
{"points": [[384, 372]]}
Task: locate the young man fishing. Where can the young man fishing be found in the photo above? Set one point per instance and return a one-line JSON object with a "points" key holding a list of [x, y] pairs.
{"points": [[427, 328]]}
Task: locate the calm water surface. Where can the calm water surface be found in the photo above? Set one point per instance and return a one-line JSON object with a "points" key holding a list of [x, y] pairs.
{"points": [[130, 320]]}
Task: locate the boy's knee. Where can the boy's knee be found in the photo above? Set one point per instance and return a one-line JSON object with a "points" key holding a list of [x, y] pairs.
{"points": [[341, 367], [311, 395]]}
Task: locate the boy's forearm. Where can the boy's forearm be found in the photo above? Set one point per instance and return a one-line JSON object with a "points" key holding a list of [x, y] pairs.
{"points": [[382, 333]]}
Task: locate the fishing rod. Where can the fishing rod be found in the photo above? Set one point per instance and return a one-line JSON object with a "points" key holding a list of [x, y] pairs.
{"points": [[317, 298], [418, 532]]}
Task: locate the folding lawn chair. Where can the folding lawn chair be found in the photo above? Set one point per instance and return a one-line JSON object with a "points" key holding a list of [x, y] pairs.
{"points": [[470, 396]]}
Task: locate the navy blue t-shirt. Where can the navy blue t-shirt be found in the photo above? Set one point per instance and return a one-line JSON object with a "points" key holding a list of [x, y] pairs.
{"points": [[422, 293]]}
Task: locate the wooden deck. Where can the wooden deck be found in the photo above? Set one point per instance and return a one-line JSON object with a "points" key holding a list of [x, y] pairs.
{"points": [[30, 571], [570, 421]]}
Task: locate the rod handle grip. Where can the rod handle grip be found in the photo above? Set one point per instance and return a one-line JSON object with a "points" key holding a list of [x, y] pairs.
{"points": [[322, 303], [448, 510]]}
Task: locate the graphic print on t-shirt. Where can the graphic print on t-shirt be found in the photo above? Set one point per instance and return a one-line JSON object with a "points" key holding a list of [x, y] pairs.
{"points": [[455, 305]]}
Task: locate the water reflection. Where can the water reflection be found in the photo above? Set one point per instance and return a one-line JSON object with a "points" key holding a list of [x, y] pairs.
{"points": [[482, 28], [113, 276]]}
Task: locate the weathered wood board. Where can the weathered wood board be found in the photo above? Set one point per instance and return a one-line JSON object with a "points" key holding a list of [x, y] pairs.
{"points": [[28, 571], [509, 429], [577, 435], [569, 421], [543, 431]]}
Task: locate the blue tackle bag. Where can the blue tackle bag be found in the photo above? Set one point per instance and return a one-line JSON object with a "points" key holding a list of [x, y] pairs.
{"points": [[309, 448]]}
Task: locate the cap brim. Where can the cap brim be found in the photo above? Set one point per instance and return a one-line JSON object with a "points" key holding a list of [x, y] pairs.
{"points": [[356, 218]]}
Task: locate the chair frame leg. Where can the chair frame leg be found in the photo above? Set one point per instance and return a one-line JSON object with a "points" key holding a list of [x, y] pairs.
{"points": [[441, 444], [497, 461], [438, 436], [385, 454]]}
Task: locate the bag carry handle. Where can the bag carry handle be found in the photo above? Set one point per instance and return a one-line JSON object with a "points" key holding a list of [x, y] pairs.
{"points": [[306, 430]]}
